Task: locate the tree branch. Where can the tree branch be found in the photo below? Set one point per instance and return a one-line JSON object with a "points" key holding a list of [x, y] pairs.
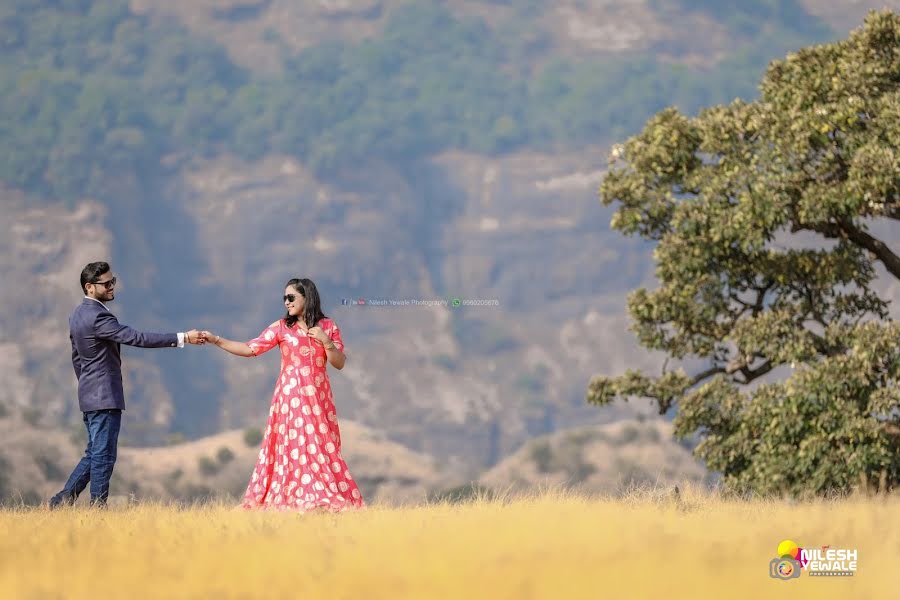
{"points": [[748, 373], [849, 231], [706, 374], [737, 299], [751, 374], [761, 298]]}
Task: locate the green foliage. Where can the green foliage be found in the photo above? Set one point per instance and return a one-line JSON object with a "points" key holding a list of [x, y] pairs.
{"points": [[170, 483], [629, 434], [566, 455], [47, 461], [428, 82], [207, 466], [197, 494], [580, 437], [749, 16], [542, 455], [224, 455], [721, 195], [832, 423], [32, 415], [91, 91], [252, 437]]}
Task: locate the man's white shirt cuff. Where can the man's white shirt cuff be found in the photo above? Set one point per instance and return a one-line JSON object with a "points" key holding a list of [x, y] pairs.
{"points": [[180, 340]]}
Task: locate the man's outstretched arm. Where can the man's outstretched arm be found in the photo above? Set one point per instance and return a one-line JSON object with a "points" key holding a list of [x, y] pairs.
{"points": [[109, 328]]}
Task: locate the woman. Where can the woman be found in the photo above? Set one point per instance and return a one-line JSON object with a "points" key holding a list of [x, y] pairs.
{"points": [[300, 465]]}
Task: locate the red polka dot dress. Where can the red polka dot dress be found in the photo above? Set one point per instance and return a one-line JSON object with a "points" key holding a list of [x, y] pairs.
{"points": [[300, 465]]}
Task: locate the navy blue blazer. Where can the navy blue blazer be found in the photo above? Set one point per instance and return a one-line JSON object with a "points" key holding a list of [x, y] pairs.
{"points": [[96, 335]]}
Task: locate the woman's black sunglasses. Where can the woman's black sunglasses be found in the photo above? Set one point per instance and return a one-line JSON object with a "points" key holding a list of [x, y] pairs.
{"points": [[290, 297]]}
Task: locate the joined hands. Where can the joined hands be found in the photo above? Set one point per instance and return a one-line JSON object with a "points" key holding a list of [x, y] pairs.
{"points": [[198, 338]]}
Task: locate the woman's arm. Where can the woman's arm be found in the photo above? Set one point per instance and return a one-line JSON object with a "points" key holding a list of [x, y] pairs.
{"points": [[236, 348], [335, 356]]}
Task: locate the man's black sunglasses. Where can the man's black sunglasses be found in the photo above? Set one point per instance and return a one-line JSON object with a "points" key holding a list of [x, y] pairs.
{"points": [[107, 284]]}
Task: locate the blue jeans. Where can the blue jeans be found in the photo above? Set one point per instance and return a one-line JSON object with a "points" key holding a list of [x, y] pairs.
{"points": [[99, 457]]}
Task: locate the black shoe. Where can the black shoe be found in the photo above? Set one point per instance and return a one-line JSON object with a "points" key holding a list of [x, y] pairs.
{"points": [[98, 503], [61, 499]]}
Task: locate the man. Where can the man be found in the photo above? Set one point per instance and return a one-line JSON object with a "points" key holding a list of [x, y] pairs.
{"points": [[96, 335]]}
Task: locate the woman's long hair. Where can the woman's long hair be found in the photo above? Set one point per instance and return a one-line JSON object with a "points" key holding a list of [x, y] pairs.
{"points": [[312, 308]]}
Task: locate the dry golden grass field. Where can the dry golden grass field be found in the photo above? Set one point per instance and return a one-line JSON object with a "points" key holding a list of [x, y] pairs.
{"points": [[552, 545]]}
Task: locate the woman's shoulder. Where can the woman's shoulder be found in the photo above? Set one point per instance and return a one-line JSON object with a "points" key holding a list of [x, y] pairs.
{"points": [[326, 323], [277, 325]]}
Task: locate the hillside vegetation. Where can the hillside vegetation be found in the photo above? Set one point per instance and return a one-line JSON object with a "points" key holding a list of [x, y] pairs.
{"points": [[91, 90]]}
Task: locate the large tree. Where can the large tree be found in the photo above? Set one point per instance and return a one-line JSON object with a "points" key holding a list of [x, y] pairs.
{"points": [[763, 215]]}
